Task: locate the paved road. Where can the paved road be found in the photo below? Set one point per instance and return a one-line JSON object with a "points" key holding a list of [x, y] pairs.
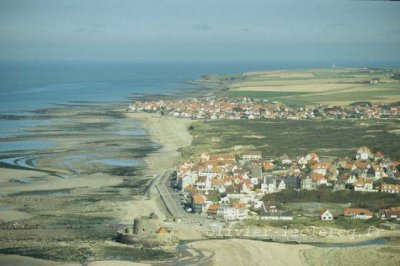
{"points": [[172, 201]]}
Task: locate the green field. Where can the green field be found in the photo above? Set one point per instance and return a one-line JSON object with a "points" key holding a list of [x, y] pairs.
{"points": [[294, 138]]}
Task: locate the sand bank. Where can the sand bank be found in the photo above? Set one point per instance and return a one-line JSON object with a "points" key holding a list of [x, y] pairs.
{"points": [[250, 252]]}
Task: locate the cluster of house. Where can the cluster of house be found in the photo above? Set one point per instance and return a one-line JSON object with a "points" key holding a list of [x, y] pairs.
{"points": [[362, 213], [213, 108], [229, 185]]}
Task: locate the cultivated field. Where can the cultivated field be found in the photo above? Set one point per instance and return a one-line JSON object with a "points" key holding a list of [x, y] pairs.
{"points": [[326, 86]]}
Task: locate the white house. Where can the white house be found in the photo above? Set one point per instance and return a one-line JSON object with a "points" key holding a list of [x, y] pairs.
{"points": [[351, 180], [364, 185], [254, 181], [321, 168], [203, 183], [281, 185], [224, 200], [187, 180], [326, 215], [221, 190], [270, 212], [269, 185], [241, 211], [363, 153], [252, 155], [228, 213]]}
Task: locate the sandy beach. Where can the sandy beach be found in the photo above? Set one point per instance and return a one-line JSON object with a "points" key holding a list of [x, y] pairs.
{"points": [[171, 133], [249, 252]]}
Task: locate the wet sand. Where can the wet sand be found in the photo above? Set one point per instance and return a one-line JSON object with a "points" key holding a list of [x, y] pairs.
{"points": [[74, 198]]}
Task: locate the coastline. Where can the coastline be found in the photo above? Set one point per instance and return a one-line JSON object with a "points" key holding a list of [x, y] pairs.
{"points": [[171, 134]]}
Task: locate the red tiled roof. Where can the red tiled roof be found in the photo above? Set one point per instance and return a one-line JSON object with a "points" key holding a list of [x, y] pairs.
{"points": [[213, 207], [162, 230], [217, 182], [199, 198], [317, 177], [357, 211], [364, 149], [361, 164], [239, 205], [390, 187]]}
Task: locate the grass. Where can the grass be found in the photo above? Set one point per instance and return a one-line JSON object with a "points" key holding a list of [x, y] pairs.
{"points": [[295, 138], [313, 208], [70, 252], [58, 253], [134, 254], [305, 222]]}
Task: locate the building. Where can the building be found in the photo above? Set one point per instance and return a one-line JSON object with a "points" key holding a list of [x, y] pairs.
{"points": [[241, 211], [276, 216], [390, 188], [364, 153], [364, 185], [226, 212], [339, 186], [374, 81], [321, 168], [252, 155], [269, 185], [269, 211], [198, 203], [391, 213], [326, 215], [212, 210], [357, 213], [281, 186], [307, 183]]}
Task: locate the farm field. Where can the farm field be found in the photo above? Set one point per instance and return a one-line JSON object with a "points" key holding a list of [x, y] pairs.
{"points": [[339, 86]]}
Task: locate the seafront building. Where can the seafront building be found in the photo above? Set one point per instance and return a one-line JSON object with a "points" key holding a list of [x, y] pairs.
{"points": [[231, 186]]}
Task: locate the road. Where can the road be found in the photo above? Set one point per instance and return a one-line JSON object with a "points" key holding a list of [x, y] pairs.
{"points": [[161, 186]]}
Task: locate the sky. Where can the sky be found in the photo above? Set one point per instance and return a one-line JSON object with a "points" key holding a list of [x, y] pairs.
{"points": [[204, 30]]}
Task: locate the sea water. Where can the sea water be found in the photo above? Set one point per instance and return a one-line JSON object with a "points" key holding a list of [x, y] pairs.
{"points": [[29, 86]]}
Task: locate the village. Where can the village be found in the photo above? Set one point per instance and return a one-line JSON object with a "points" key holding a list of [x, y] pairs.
{"points": [[229, 187], [213, 108]]}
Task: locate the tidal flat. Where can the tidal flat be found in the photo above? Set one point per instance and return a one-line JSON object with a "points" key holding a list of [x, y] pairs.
{"points": [[65, 197]]}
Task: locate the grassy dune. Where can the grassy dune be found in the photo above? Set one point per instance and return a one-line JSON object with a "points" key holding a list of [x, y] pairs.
{"points": [[275, 138]]}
